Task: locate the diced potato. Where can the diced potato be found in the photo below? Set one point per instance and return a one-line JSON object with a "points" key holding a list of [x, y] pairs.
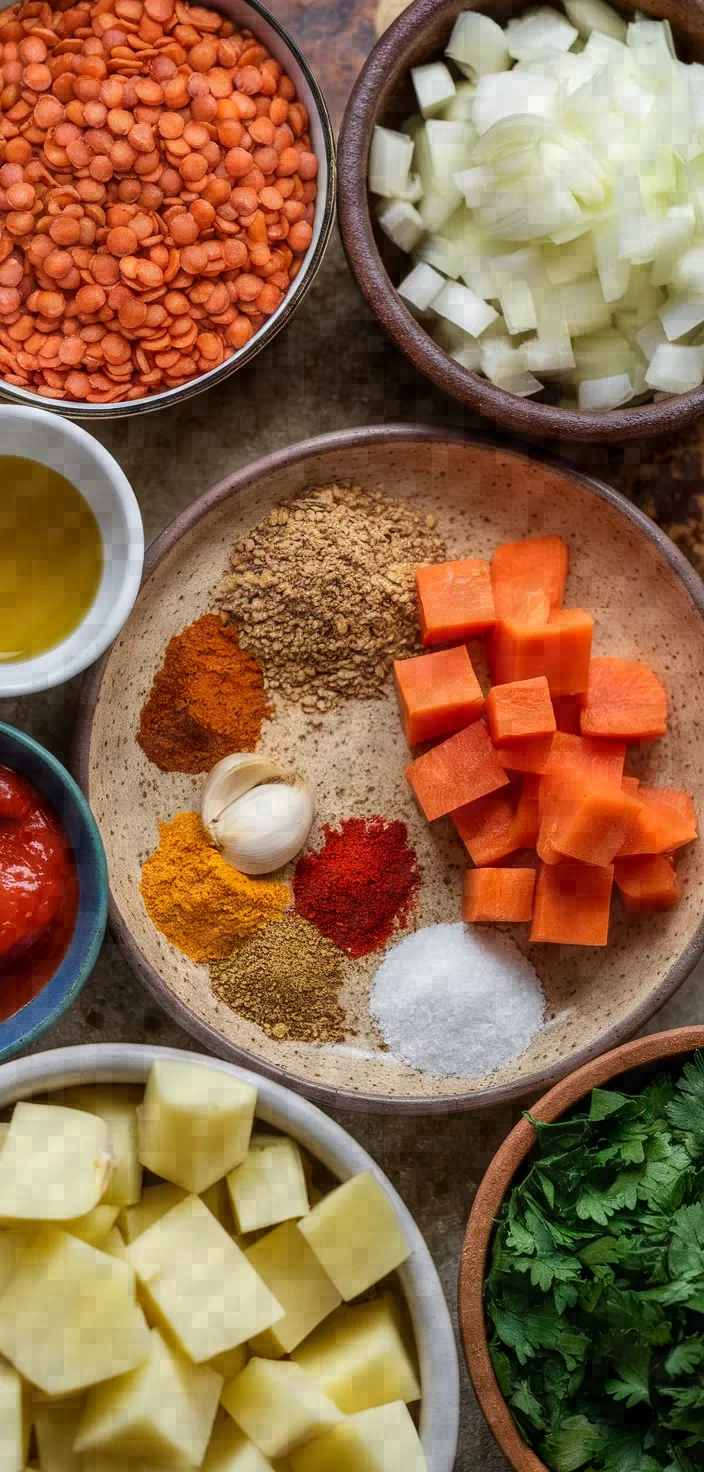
{"points": [[12, 1448], [56, 1426], [164, 1410], [356, 1235], [217, 1200], [194, 1124], [360, 1358], [278, 1406], [292, 1272], [69, 1317], [155, 1202], [117, 1105], [200, 1284], [380, 1440], [94, 1226], [231, 1362], [115, 1245], [55, 1163], [231, 1451], [270, 1185], [12, 1245]]}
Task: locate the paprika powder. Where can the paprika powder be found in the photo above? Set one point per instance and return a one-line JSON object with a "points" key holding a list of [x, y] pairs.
{"points": [[360, 887]]}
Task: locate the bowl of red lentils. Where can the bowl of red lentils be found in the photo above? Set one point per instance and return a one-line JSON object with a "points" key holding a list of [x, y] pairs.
{"points": [[167, 192]]}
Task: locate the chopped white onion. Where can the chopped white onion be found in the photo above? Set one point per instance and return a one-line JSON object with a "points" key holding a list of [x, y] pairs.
{"points": [[389, 162], [535, 31], [459, 107], [595, 15], [518, 307], [478, 45], [597, 394], [433, 86], [420, 286], [651, 337], [503, 94], [469, 357], [680, 314], [676, 369], [402, 223], [549, 355], [461, 306]]}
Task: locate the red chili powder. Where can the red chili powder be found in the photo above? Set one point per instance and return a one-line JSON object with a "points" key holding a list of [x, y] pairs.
{"points": [[361, 885]]}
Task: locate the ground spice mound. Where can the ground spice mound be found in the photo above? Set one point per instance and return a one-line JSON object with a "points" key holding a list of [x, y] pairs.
{"points": [[361, 885], [197, 900], [324, 592], [286, 980], [206, 700]]}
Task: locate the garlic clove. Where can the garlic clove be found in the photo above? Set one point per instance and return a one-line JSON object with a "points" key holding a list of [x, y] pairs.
{"points": [[265, 827], [230, 779]]}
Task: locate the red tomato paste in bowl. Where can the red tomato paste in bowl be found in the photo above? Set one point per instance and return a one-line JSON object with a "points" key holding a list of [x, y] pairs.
{"points": [[38, 892]]}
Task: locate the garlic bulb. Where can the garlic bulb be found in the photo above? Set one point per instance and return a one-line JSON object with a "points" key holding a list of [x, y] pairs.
{"points": [[258, 816]]}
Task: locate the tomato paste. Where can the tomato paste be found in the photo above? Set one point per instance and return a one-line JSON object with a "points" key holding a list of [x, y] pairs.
{"points": [[38, 892]]}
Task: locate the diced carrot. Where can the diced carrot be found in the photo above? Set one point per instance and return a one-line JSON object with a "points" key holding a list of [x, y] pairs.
{"points": [[600, 758], [630, 784], [454, 600], [437, 693], [524, 574], [584, 817], [673, 798], [486, 827], [527, 817], [660, 826], [648, 882], [526, 756], [560, 650], [520, 711], [624, 699], [498, 894], [567, 710], [572, 903], [456, 772]]}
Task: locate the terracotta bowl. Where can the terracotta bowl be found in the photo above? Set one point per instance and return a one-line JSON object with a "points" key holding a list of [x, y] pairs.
{"points": [[383, 94], [635, 1060], [649, 604]]}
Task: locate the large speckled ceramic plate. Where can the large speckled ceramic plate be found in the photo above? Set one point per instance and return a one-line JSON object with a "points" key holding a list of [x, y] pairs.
{"points": [[648, 604]]}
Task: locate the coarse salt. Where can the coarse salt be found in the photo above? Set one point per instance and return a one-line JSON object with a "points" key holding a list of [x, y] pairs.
{"points": [[453, 1000]]}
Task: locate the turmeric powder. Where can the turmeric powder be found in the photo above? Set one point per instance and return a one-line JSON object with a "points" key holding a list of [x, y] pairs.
{"points": [[197, 900]]}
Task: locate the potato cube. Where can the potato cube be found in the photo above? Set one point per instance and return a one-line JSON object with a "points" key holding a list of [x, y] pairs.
{"points": [[231, 1363], [270, 1185], [278, 1406], [294, 1275], [194, 1124], [231, 1451], [69, 1317], [200, 1284], [117, 1105], [155, 1202], [217, 1200], [380, 1440], [360, 1358], [56, 1425], [55, 1163], [94, 1226], [356, 1235], [12, 1448], [164, 1410]]}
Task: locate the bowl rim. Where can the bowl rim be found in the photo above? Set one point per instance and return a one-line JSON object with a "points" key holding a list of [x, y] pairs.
{"points": [[203, 1032], [30, 1022], [339, 1152], [492, 1191], [382, 70], [312, 262], [27, 680]]}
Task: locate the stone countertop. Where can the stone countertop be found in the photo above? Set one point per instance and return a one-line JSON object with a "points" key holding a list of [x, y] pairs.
{"points": [[334, 369]]}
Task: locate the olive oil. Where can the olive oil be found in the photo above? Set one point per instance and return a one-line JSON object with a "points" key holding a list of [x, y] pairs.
{"points": [[51, 558]]}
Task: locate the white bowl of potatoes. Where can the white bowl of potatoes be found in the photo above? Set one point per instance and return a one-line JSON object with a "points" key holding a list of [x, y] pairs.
{"points": [[199, 1269]]}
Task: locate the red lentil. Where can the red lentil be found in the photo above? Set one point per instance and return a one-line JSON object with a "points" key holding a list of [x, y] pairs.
{"points": [[157, 190]]}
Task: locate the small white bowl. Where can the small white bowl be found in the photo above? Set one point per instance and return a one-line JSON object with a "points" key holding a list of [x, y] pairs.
{"points": [[129, 1063], [50, 440]]}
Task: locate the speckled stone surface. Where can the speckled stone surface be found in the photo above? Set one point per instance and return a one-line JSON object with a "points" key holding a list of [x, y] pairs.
{"points": [[333, 369]]}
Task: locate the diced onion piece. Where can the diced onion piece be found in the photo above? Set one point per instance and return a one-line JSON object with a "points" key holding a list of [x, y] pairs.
{"points": [[613, 271], [652, 45], [436, 208], [680, 314], [673, 235], [602, 355], [452, 339], [549, 355], [565, 263], [433, 87], [390, 159], [636, 238], [500, 360], [523, 385], [463, 307], [651, 337], [504, 94], [459, 107], [508, 135], [595, 15], [583, 306], [445, 255], [542, 29], [450, 146], [518, 307], [402, 223], [688, 273], [420, 286], [676, 369], [469, 357], [473, 184], [478, 45], [597, 394]]}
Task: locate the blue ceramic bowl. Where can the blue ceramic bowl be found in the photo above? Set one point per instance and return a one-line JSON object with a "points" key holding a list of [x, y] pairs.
{"points": [[21, 754]]}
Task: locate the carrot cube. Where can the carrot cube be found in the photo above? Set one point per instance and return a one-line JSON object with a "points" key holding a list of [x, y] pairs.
{"points": [[647, 882], [437, 693], [486, 827], [520, 711], [624, 699], [584, 817], [527, 819], [498, 894], [673, 798], [454, 600], [572, 903], [599, 758], [528, 578], [526, 756], [456, 772], [559, 649], [662, 824]]}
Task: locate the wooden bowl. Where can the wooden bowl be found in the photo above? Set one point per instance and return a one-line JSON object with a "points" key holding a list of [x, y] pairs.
{"points": [[383, 94], [645, 1054], [649, 605]]}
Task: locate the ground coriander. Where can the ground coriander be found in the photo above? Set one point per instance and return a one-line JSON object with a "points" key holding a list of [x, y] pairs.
{"points": [[286, 979]]}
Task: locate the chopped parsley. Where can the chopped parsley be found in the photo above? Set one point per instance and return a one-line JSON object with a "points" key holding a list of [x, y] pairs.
{"points": [[595, 1295]]}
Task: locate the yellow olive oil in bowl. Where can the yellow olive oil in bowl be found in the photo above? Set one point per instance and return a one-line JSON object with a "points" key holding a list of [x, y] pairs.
{"points": [[51, 558]]}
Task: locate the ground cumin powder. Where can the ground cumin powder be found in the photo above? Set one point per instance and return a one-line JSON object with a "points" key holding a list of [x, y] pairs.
{"points": [[206, 700], [286, 979]]}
